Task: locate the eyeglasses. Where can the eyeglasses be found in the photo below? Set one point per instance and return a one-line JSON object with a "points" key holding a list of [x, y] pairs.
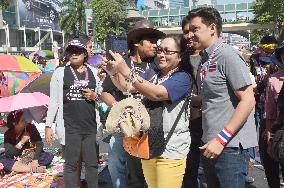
{"points": [[166, 51]]}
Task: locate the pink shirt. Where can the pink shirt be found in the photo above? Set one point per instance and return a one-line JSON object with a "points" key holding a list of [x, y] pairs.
{"points": [[273, 88]]}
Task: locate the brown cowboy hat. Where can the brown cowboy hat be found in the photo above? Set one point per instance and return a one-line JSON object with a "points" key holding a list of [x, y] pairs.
{"points": [[143, 28]]}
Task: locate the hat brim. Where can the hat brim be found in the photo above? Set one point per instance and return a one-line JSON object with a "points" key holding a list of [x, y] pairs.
{"points": [[135, 34], [74, 46], [117, 109]]}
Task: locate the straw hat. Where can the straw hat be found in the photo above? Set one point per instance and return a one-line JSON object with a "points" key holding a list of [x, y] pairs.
{"points": [[128, 116]]}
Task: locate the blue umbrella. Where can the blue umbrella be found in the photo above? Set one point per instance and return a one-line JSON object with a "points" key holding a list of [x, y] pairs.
{"points": [[95, 60]]}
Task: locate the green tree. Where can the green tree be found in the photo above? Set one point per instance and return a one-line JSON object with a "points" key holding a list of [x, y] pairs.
{"points": [[271, 11], [4, 4], [109, 17], [73, 19]]}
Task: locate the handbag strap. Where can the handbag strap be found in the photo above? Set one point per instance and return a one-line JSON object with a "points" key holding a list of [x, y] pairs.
{"points": [[185, 104]]}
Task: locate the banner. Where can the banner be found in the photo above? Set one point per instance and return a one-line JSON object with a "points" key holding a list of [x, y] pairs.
{"points": [[40, 13]]}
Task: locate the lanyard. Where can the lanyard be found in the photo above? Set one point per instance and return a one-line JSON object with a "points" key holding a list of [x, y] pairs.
{"points": [[158, 81], [206, 66], [75, 76], [137, 69]]}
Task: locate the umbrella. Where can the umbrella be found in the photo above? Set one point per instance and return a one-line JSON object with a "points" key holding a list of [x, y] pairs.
{"points": [[18, 80], [50, 65], [35, 114], [95, 60], [22, 101], [18, 71], [9, 63], [40, 53], [40, 84], [43, 53]]}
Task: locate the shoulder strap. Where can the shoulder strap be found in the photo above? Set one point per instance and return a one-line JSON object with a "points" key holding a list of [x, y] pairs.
{"points": [[185, 104]]}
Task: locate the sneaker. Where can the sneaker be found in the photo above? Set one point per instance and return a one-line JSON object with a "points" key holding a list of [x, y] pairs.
{"points": [[249, 179]]}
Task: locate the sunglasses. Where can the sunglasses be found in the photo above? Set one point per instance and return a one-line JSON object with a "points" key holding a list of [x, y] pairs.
{"points": [[166, 51], [75, 51]]}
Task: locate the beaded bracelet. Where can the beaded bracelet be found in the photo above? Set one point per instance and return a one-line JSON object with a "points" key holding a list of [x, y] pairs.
{"points": [[20, 145], [98, 97], [224, 136]]}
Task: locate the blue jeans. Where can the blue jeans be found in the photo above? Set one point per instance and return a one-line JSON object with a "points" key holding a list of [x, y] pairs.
{"points": [[228, 170], [117, 162]]}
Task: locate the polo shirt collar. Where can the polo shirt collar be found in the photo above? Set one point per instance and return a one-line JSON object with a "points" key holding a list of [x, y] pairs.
{"points": [[210, 49]]}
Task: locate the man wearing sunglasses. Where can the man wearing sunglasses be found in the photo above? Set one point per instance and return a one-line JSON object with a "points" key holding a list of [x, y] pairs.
{"points": [[227, 102], [125, 170]]}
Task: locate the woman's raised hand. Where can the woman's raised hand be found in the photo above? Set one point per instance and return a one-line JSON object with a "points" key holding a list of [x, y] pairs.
{"points": [[117, 65]]}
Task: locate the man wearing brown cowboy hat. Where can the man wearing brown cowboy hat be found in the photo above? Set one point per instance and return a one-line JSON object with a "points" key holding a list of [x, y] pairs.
{"points": [[141, 40]]}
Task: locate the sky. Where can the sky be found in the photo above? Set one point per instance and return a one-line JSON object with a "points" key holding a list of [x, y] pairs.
{"points": [[233, 1]]}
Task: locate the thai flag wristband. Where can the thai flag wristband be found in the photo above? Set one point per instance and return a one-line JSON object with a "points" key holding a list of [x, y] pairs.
{"points": [[224, 136]]}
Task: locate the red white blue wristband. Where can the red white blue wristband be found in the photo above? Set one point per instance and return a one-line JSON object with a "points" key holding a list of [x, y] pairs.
{"points": [[224, 136]]}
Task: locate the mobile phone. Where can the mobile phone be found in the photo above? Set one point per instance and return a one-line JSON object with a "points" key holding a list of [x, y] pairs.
{"points": [[117, 44]]}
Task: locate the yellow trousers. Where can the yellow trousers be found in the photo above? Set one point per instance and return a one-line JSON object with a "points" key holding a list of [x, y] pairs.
{"points": [[164, 173]]}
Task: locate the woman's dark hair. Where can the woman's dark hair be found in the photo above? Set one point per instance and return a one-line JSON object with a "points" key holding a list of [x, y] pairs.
{"points": [[208, 16], [176, 38], [13, 117], [184, 53]]}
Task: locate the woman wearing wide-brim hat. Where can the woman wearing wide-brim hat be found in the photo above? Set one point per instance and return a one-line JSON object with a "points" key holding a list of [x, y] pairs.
{"points": [[166, 95]]}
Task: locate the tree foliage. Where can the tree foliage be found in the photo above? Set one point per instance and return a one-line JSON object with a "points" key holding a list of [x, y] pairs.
{"points": [[73, 19], [4, 4], [270, 11], [109, 17]]}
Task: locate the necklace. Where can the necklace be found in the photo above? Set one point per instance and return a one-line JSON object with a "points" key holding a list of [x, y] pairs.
{"points": [[157, 80], [75, 76]]}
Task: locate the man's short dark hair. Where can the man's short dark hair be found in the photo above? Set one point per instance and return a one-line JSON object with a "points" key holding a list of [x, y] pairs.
{"points": [[268, 40], [208, 16], [184, 22]]}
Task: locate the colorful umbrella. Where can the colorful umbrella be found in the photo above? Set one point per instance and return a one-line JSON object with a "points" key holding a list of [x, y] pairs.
{"points": [[9, 63], [54, 61], [18, 72], [22, 101], [95, 60], [40, 84], [40, 53], [49, 67], [43, 53]]}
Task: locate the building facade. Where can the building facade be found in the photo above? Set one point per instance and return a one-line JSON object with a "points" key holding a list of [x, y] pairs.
{"points": [[177, 3], [30, 25]]}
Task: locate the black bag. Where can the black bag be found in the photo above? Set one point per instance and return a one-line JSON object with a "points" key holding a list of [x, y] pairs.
{"points": [[278, 130]]}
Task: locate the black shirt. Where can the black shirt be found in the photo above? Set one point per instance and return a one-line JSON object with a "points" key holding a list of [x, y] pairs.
{"points": [[109, 87], [78, 113]]}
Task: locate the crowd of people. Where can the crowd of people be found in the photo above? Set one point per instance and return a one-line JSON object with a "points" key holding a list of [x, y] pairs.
{"points": [[208, 107]]}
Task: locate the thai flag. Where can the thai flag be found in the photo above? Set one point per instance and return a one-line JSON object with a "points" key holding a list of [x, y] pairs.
{"points": [[212, 66]]}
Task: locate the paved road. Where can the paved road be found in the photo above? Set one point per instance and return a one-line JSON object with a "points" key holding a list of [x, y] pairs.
{"points": [[105, 181]]}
